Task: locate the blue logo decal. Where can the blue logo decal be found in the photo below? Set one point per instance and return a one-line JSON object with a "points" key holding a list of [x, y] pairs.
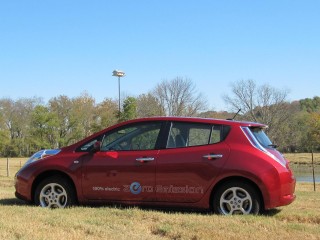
{"points": [[135, 188]]}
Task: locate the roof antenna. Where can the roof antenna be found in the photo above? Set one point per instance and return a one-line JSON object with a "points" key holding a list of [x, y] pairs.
{"points": [[234, 115]]}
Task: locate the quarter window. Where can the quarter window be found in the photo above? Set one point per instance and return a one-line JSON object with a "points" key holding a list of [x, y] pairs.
{"points": [[262, 137]]}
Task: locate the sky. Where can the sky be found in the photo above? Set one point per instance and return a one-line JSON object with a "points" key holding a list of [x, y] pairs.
{"points": [[67, 47]]}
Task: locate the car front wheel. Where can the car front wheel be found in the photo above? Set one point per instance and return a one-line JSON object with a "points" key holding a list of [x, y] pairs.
{"points": [[54, 192], [236, 198]]}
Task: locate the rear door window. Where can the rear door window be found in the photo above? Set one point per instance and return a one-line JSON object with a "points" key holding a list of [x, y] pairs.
{"points": [[194, 134]]}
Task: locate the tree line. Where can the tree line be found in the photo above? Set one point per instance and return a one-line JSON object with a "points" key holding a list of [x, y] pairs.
{"points": [[29, 124]]}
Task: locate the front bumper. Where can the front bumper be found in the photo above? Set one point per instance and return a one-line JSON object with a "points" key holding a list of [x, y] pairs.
{"points": [[22, 189]]}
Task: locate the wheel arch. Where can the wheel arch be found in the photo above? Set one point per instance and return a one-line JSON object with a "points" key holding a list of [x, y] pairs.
{"points": [[236, 178], [48, 174]]}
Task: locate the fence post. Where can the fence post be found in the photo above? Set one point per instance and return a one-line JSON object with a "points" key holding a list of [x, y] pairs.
{"points": [[8, 170], [314, 179]]}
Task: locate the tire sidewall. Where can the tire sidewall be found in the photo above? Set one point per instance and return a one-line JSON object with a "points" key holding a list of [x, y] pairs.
{"points": [[63, 182], [256, 201]]}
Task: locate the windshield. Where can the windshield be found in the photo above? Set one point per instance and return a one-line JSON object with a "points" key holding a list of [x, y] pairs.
{"points": [[262, 137]]}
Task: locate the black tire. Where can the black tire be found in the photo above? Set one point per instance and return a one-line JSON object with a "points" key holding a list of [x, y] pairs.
{"points": [[55, 192], [236, 198]]}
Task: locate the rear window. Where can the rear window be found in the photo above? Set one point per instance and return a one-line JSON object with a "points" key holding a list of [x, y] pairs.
{"points": [[262, 137]]}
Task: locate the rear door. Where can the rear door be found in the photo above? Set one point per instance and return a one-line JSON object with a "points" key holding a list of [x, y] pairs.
{"points": [[195, 154]]}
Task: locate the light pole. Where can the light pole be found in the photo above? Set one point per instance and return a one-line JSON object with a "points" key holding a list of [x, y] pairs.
{"points": [[119, 74]]}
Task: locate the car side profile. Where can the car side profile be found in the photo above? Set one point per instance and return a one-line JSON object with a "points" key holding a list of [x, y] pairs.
{"points": [[228, 166]]}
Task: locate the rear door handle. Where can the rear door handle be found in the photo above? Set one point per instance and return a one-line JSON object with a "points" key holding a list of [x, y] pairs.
{"points": [[212, 156], [145, 159]]}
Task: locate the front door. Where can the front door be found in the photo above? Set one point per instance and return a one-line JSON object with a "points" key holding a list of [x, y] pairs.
{"points": [[124, 169]]}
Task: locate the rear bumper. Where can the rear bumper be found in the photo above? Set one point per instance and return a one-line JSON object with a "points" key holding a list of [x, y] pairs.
{"points": [[287, 199], [283, 192]]}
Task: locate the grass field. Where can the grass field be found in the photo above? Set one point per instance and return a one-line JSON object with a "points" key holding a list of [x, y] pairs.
{"points": [[300, 220], [303, 158]]}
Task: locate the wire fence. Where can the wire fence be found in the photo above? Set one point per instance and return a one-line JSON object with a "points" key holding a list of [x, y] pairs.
{"points": [[10, 166]]}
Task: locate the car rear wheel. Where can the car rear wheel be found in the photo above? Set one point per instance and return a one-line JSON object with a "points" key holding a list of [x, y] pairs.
{"points": [[236, 198], [54, 192]]}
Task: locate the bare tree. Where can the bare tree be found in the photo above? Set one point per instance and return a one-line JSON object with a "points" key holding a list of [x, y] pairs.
{"points": [[257, 103], [272, 105], [179, 97], [244, 97], [263, 104]]}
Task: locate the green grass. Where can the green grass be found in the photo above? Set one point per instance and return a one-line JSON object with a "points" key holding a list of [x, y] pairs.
{"points": [[300, 220]]}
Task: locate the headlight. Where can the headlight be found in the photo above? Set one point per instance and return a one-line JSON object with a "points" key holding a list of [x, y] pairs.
{"points": [[42, 154]]}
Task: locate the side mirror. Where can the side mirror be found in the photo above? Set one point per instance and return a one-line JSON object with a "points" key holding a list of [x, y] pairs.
{"points": [[96, 147]]}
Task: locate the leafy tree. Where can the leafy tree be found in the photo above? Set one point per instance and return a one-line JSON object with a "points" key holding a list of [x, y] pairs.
{"points": [[4, 133], [61, 107], [289, 133], [148, 106], [83, 111], [311, 129], [43, 126], [310, 105], [105, 114], [15, 121], [75, 117], [310, 124], [129, 109], [9, 116], [4, 142]]}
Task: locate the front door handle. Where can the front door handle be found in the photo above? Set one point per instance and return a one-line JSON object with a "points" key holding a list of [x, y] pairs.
{"points": [[212, 156], [145, 159]]}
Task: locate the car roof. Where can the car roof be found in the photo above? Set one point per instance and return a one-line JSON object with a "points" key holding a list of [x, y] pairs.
{"points": [[199, 120]]}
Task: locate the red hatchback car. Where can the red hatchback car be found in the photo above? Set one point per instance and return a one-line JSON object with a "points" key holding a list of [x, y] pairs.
{"points": [[229, 166]]}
